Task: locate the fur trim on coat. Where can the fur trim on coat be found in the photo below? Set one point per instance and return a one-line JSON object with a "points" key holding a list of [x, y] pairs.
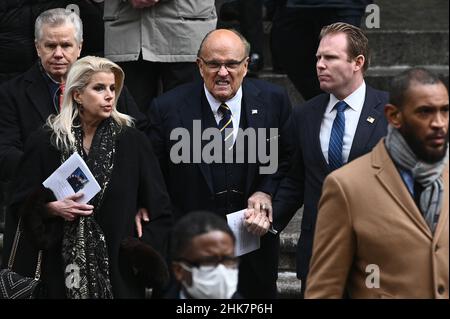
{"points": [[43, 230], [148, 264]]}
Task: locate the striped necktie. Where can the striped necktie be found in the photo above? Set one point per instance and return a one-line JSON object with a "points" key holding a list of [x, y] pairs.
{"points": [[337, 137], [226, 122]]}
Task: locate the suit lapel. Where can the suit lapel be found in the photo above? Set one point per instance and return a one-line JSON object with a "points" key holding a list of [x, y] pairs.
{"points": [[254, 108], [371, 114], [391, 180], [314, 122], [189, 111], [37, 92]]}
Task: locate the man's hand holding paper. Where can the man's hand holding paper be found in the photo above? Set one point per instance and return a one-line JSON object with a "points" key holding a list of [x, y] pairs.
{"points": [[256, 222], [247, 226]]}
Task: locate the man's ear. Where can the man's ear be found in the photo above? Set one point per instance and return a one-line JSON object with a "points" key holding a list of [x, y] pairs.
{"points": [[180, 273], [359, 62], [38, 50], [177, 271], [247, 61], [80, 48], [393, 115], [200, 69]]}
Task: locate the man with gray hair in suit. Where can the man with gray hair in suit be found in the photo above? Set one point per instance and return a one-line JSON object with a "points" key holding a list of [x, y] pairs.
{"points": [[27, 100]]}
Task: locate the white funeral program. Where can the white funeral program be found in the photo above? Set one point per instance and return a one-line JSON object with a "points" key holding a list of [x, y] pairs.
{"points": [[245, 242], [73, 176]]}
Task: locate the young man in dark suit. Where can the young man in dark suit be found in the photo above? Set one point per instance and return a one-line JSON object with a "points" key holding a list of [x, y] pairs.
{"points": [[331, 129], [224, 99]]}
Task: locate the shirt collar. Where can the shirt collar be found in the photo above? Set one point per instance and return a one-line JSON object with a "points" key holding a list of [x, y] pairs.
{"points": [[408, 178], [47, 76], [234, 103], [355, 100]]}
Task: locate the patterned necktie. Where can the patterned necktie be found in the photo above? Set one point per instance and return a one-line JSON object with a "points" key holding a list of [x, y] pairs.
{"points": [[226, 121], [61, 94], [337, 137]]}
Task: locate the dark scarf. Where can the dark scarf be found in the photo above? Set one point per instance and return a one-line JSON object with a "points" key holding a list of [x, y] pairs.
{"points": [[84, 247], [427, 175]]}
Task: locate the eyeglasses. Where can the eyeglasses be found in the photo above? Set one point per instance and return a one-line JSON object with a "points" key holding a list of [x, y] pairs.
{"points": [[213, 262], [216, 66]]}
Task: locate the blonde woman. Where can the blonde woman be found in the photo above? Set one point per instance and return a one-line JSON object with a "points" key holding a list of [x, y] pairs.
{"points": [[81, 242]]}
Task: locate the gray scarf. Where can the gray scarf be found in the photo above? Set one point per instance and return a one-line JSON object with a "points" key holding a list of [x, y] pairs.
{"points": [[427, 175]]}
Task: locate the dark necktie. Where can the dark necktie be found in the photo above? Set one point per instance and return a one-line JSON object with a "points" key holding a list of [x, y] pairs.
{"points": [[337, 137], [226, 122]]}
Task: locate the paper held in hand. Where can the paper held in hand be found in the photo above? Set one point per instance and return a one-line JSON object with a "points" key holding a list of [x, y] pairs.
{"points": [[73, 176], [245, 242]]}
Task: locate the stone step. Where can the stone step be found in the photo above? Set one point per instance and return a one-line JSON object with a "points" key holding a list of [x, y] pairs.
{"points": [[282, 80], [405, 15], [413, 14], [411, 32], [288, 285], [288, 243], [287, 261], [378, 77], [398, 47], [391, 48]]}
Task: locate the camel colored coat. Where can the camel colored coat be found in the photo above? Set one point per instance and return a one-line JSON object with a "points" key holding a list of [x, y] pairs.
{"points": [[368, 221]]}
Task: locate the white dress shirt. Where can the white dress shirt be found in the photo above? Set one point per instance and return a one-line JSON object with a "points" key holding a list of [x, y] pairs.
{"points": [[235, 107], [355, 101]]}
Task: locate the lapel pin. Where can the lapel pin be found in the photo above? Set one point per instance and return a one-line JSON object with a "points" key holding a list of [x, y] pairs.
{"points": [[370, 119], [254, 112]]}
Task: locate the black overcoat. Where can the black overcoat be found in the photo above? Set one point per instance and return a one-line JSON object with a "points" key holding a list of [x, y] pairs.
{"points": [[136, 181]]}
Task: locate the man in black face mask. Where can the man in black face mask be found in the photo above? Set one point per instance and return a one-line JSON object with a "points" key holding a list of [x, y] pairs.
{"points": [[382, 228]]}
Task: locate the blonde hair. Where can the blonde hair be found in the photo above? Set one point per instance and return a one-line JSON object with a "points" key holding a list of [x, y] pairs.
{"points": [[78, 78]]}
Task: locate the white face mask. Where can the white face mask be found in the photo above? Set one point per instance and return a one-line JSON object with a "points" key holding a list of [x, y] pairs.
{"points": [[212, 282]]}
